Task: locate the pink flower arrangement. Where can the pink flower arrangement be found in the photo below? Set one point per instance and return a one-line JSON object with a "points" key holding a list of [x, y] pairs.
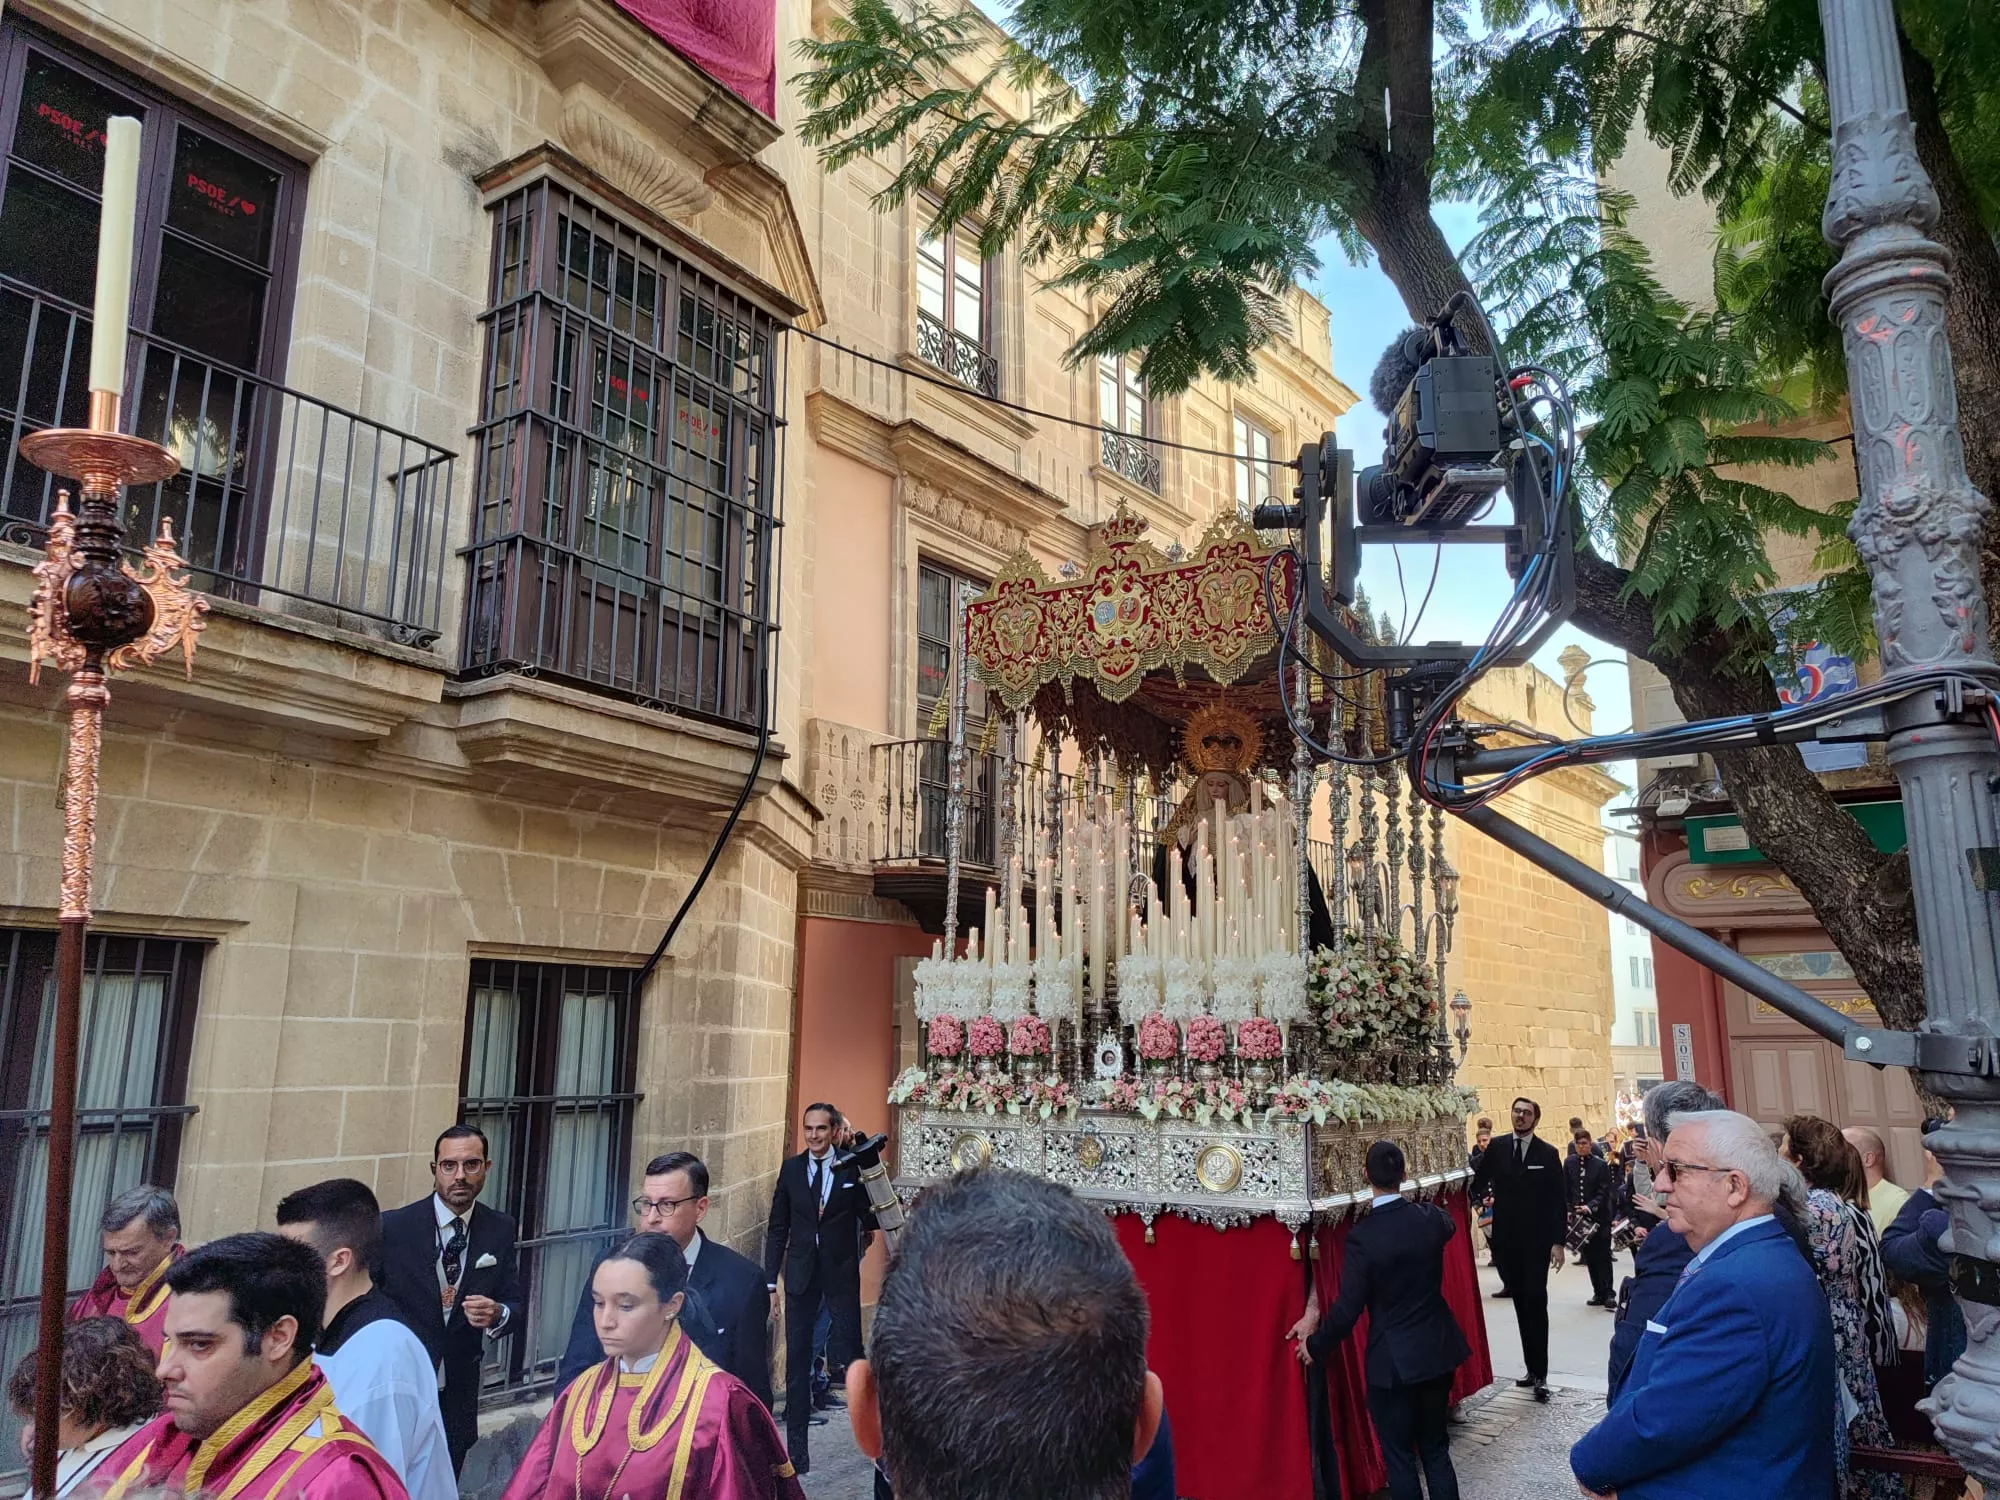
{"points": [[1029, 1037], [987, 1039], [1259, 1039], [945, 1037], [1205, 1039], [1159, 1038]]}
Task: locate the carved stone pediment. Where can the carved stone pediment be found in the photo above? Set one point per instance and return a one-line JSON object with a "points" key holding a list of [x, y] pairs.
{"points": [[604, 141], [964, 517]]}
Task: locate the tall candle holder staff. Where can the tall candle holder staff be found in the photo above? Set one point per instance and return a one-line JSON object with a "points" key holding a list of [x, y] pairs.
{"points": [[93, 614]]}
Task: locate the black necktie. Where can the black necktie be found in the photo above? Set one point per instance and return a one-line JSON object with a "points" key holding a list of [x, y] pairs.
{"points": [[812, 1180], [454, 1252]]}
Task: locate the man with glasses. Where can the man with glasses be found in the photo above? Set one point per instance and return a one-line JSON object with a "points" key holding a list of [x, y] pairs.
{"points": [[727, 1311], [448, 1263], [1731, 1394], [1530, 1219]]}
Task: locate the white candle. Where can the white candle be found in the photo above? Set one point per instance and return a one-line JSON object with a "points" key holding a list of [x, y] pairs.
{"points": [[1121, 882], [117, 218]]}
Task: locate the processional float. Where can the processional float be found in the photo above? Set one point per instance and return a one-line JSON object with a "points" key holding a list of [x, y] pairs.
{"points": [[1165, 1007]]}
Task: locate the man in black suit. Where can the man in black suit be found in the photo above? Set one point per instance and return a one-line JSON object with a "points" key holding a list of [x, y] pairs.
{"points": [[819, 1224], [1394, 1272], [727, 1309], [448, 1263], [1588, 1185], [1529, 1220]]}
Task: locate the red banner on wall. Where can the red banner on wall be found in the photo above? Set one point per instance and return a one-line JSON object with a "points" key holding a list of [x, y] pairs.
{"points": [[733, 41]]}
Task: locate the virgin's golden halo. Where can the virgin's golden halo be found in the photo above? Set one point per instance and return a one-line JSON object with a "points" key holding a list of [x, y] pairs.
{"points": [[1219, 737]]}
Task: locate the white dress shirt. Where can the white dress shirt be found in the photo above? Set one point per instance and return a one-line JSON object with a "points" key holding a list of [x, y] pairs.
{"points": [[74, 1465], [384, 1384], [693, 1249], [445, 1217]]}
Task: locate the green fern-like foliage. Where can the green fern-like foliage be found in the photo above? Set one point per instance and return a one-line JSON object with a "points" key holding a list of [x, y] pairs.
{"points": [[1176, 160]]}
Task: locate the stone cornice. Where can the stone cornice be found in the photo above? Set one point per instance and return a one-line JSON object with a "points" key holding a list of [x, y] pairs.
{"points": [[262, 666], [760, 194], [593, 42], [557, 742]]}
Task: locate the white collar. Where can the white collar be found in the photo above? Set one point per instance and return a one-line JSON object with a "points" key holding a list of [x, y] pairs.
{"points": [[110, 1438], [693, 1249], [1381, 1198], [444, 1214], [821, 1159], [1729, 1234], [638, 1366]]}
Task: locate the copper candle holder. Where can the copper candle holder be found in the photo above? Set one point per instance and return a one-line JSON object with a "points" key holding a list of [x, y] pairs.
{"points": [[92, 614]]}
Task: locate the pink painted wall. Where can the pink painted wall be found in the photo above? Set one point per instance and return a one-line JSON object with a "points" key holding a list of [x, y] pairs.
{"points": [[852, 602]]}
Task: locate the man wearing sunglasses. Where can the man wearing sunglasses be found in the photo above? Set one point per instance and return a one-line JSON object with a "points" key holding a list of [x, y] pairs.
{"points": [[728, 1311], [1731, 1392]]}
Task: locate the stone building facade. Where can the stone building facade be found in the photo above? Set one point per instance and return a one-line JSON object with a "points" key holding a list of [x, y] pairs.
{"points": [[520, 511]]}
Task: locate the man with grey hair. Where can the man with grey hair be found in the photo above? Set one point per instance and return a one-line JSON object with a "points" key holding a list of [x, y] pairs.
{"points": [[141, 1231], [1663, 1254], [1731, 1393]]}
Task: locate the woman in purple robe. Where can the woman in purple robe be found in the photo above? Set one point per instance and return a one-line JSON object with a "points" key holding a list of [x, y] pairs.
{"points": [[657, 1418]]}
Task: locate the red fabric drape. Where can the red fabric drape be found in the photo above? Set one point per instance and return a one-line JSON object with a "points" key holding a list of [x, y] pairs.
{"points": [[1221, 1303], [733, 41]]}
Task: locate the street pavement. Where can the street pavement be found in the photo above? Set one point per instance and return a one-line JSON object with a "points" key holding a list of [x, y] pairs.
{"points": [[1507, 1447]]}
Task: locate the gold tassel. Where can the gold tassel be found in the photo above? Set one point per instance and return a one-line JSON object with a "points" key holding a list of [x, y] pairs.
{"points": [[1312, 1246], [989, 737], [1295, 1244], [1149, 1232], [940, 719]]}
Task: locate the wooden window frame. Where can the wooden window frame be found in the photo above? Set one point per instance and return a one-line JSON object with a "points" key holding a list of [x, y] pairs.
{"points": [[1243, 430]]}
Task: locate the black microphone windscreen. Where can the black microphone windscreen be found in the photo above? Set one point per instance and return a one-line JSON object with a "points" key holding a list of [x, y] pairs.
{"points": [[1396, 369]]}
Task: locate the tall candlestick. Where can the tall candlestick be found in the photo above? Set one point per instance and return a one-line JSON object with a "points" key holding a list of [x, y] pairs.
{"points": [[117, 215]]}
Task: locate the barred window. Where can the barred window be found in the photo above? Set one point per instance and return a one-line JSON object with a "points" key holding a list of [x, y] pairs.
{"points": [[137, 1026], [548, 1075], [626, 518]]}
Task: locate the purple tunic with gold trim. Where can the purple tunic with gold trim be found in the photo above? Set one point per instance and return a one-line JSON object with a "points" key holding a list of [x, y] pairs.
{"points": [[145, 1307], [684, 1430]]}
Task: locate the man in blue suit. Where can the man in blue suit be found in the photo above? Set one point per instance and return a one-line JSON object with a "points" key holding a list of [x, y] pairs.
{"points": [[1731, 1391]]}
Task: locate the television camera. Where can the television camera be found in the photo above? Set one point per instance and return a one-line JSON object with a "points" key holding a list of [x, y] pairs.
{"points": [[1460, 440]]}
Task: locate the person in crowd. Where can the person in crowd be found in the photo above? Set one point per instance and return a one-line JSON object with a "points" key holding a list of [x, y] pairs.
{"points": [[1847, 1259], [1730, 1395], [383, 1381], [1394, 1272], [1911, 1250], [728, 1310], [824, 1397], [1524, 1175], [813, 1242], [109, 1391], [1885, 1197], [448, 1263], [140, 1232], [1580, 1139], [1009, 1350], [1482, 1209], [1590, 1187], [249, 1415], [656, 1417], [1664, 1252]]}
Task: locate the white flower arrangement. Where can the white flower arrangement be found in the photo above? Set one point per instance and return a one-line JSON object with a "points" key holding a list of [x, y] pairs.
{"points": [[1369, 1103], [1010, 991], [1138, 984], [971, 989], [1282, 977], [1055, 988], [1185, 988], [935, 988], [1235, 988]]}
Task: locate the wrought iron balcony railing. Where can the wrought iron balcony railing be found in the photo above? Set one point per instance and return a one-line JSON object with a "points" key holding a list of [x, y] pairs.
{"points": [[1132, 457], [283, 501], [958, 356]]}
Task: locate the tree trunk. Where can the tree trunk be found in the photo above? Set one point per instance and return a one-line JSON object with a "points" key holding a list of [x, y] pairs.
{"points": [[1972, 313], [1859, 896]]}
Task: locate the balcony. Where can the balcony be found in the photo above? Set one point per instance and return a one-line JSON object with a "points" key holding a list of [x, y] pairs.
{"points": [[283, 502], [1132, 458], [958, 356]]}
